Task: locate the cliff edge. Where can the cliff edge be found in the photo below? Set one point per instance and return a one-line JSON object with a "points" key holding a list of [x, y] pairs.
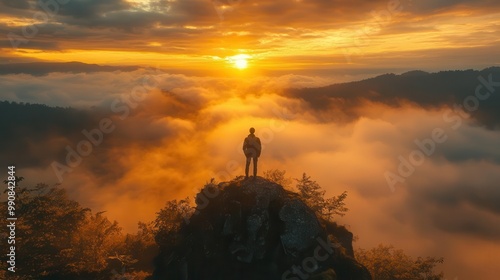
{"points": [[255, 229]]}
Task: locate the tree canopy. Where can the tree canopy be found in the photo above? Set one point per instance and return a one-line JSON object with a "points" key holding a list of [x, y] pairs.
{"points": [[387, 263]]}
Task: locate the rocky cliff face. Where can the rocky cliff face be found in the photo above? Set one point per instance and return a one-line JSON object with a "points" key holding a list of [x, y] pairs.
{"points": [[255, 229]]}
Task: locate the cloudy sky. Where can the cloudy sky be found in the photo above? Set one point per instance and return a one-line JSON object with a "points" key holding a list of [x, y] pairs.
{"points": [[181, 81], [275, 35]]}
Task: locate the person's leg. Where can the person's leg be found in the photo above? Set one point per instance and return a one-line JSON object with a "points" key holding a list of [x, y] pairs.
{"points": [[255, 159], [247, 166]]}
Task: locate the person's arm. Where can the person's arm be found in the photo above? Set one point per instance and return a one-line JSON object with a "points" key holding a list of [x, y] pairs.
{"points": [[244, 144], [259, 149]]}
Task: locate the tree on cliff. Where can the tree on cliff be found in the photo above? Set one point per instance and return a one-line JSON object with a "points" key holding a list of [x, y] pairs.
{"points": [[312, 193], [314, 196], [387, 263], [170, 219]]}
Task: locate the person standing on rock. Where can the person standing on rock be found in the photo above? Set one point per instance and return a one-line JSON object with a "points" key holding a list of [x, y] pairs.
{"points": [[251, 148]]}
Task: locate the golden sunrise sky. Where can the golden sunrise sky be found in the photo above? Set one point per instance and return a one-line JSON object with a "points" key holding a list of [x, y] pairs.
{"points": [[272, 36]]}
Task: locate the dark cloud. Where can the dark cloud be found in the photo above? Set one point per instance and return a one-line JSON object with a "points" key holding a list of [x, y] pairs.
{"points": [[124, 20], [91, 9], [34, 44], [443, 6], [467, 206], [468, 147], [18, 4], [252, 14]]}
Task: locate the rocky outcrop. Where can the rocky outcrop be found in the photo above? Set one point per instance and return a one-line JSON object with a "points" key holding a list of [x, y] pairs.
{"points": [[255, 229]]}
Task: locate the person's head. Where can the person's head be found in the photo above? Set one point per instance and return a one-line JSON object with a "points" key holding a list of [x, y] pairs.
{"points": [[252, 130]]}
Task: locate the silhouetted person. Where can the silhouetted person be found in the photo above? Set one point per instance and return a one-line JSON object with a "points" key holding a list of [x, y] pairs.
{"points": [[251, 148]]}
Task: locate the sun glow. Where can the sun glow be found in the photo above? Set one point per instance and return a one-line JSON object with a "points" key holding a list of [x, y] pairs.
{"points": [[239, 61]]}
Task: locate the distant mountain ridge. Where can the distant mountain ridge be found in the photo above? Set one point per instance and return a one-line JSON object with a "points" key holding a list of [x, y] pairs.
{"points": [[428, 90], [44, 68]]}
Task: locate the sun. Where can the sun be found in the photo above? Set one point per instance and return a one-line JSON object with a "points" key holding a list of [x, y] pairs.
{"points": [[239, 61]]}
